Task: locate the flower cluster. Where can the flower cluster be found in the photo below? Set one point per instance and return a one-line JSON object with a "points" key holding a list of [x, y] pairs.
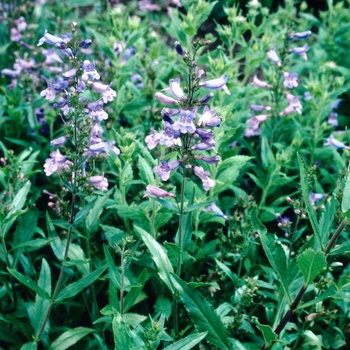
{"points": [[290, 81], [186, 130], [82, 118]]}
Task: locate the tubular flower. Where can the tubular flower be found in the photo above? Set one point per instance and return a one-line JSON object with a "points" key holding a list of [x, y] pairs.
{"points": [[165, 168], [57, 162], [272, 56], [107, 93], [216, 84], [157, 192], [99, 182], [290, 80], [332, 141], [214, 208], [259, 83], [204, 176]]}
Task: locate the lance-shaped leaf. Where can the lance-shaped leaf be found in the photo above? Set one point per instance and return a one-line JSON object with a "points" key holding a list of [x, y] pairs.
{"points": [[311, 263], [29, 283], [159, 256], [76, 287], [306, 196], [345, 204], [274, 252], [135, 291], [113, 271], [202, 314], [70, 337], [327, 218], [188, 342]]}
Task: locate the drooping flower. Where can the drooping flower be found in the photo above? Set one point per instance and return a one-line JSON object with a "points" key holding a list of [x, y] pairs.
{"points": [[175, 88], [301, 51], [53, 89], [209, 118], [259, 108], [185, 123], [290, 80], [294, 103], [204, 176], [107, 93], [59, 141], [214, 208], [99, 182], [209, 160], [259, 83], [333, 119], [332, 141], [165, 99], [300, 35], [216, 84], [316, 197], [89, 71], [272, 56], [96, 111], [157, 192], [165, 168], [57, 162], [254, 123], [53, 40]]}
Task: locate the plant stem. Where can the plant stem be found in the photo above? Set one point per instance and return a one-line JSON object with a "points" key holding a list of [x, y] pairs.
{"points": [[302, 290], [122, 267]]}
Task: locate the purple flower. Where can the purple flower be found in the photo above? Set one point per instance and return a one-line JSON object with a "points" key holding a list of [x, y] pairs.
{"points": [[157, 192], [57, 162], [259, 108], [316, 197], [335, 104], [208, 118], [99, 182], [20, 23], [331, 141], [107, 93], [59, 141], [301, 51], [259, 83], [205, 99], [283, 221], [206, 135], [165, 99], [204, 176], [272, 56], [254, 123], [214, 208], [203, 146], [89, 71], [96, 130], [152, 140], [96, 111], [15, 35], [216, 84], [51, 56], [209, 160], [165, 168], [52, 39], [175, 89], [69, 74], [294, 102], [167, 113], [85, 44], [98, 147], [185, 123], [300, 35], [179, 49], [307, 96], [290, 80], [333, 119]]}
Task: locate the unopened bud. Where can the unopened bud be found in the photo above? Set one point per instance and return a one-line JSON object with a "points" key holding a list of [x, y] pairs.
{"points": [[179, 48], [289, 200]]}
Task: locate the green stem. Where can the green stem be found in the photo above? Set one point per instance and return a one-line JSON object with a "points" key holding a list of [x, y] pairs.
{"points": [[122, 267], [302, 290]]}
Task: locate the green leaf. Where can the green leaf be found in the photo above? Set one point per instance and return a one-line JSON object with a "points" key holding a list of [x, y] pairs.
{"points": [[327, 218], [311, 263], [16, 206], [196, 206], [188, 342], [92, 220], [159, 256], [202, 314], [113, 271], [329, 293], [227, 271], [345, 204], [266, 331], [29, 346], [133, 213], [169, 205], [83, 212], [306, 196], [135, 291], [274, 252], [42, 304], [56, 245], [29, 283], [146, 171], [70, 337], [76, 287]]}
